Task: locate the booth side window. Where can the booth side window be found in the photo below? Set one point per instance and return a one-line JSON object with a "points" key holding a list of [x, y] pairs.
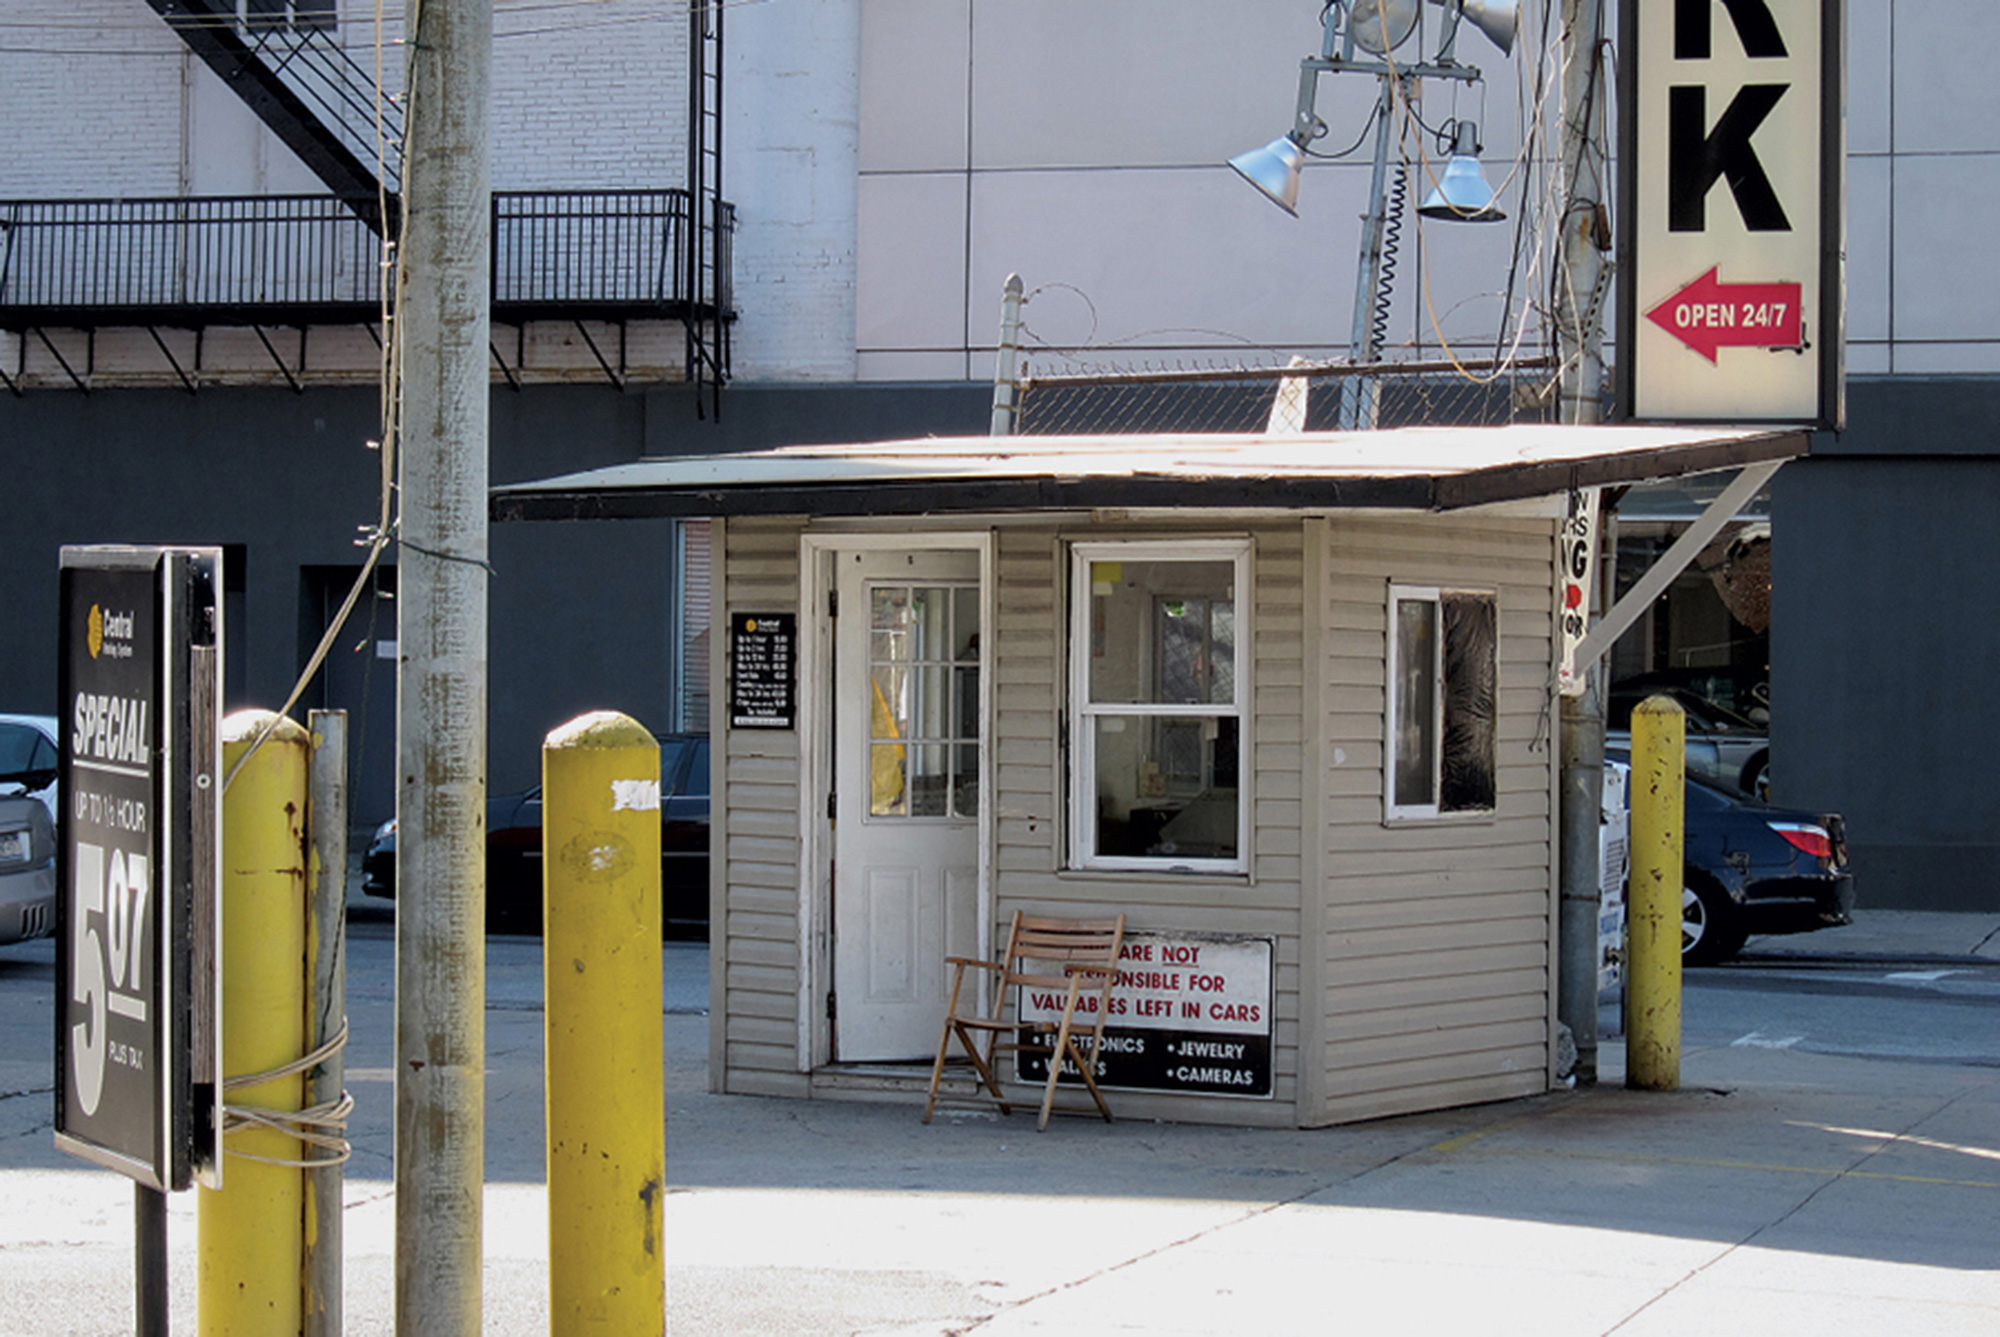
{"points": [[1443, 680], [1158, 704]]}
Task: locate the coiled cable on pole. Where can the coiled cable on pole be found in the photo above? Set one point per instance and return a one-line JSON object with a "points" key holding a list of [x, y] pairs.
{"points": [[1392, 236]]}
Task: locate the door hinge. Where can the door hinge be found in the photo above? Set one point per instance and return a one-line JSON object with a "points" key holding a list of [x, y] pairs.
{"points": [[832, 805], [833, 603], [831, 1010]]}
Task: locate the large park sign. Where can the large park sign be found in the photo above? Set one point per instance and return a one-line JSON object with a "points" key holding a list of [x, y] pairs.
{"points": [[1732, 148]]}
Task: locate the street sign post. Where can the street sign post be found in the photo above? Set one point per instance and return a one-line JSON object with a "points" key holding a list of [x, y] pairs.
{"points": [[137, 1080], [1732, 151]]}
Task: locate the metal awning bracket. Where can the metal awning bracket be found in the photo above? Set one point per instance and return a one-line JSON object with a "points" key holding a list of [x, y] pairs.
{"points": [[63, 362], [506, 372], [1604, 633], [615, 376], [290, 379], [187, 381]]}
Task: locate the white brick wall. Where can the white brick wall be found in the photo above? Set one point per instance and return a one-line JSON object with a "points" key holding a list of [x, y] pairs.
{"points": [[100, 98], [590, 96], [90, 95], [791, 163]]}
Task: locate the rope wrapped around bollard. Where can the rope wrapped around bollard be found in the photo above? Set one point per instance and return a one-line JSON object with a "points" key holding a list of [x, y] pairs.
{"points": [[320, 1127]]}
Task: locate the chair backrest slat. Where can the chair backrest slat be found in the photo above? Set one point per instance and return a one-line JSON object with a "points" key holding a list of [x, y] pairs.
{"points": [[1041, 947]]}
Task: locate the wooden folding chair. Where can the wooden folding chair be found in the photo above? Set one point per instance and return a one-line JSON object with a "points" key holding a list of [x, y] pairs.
{"points": [[1073, 960]]}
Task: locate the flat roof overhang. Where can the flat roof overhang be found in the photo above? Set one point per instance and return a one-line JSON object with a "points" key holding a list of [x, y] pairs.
{"points": [[1407, 468]]}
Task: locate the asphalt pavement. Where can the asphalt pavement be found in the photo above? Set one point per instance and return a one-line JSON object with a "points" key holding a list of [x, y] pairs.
{"points": [[1777, 1191]]}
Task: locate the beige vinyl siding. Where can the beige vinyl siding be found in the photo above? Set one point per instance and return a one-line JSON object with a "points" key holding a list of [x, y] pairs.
{"points": [[754, 1026], [1436, 970], [1031, 683]]}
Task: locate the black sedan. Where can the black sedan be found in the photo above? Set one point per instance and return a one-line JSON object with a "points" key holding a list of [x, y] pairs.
{"points": [[1750, 868], [514, 848]]}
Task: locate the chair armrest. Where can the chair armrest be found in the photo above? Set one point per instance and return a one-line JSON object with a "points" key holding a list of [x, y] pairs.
{"points": [[971, 961]]}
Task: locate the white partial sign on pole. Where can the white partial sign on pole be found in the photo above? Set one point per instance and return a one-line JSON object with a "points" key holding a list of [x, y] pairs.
{"points": [[1579, 578], [1731, 231]]}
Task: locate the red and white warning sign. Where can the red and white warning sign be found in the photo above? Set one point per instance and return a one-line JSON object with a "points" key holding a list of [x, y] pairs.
{"points": [[1188, 1012]]}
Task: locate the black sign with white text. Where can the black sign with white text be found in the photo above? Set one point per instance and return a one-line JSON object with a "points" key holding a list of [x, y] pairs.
{"points": [[763, 652], [136, 783]]}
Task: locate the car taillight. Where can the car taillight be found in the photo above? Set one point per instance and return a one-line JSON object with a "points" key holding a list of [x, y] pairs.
{"points": [[1805, 837]]}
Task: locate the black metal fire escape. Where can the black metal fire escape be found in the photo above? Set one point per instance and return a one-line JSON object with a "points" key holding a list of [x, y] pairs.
{"points": [[284, 62], [650, 254], [709, 303]]}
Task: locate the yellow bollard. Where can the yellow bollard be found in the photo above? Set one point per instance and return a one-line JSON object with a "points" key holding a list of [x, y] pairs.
{"points": [[251, 1250], [1653, 914], [601, 967]]}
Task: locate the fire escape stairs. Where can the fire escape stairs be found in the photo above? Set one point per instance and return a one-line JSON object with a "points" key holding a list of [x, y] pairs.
{"points": [[315, 97]]}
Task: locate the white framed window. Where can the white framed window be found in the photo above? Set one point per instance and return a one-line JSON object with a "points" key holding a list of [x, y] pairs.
{"points": [[1443, 697], [1159, 693]]}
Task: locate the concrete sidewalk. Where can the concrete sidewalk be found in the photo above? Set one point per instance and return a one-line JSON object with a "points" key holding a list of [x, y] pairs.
{"points": [[1893, 935], [1776, 1191]]}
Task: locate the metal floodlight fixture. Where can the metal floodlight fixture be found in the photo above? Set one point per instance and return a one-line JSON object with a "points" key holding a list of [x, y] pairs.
{"points": [[1274, 170], [1462, 195], [1381, 26], [1499, 20]]}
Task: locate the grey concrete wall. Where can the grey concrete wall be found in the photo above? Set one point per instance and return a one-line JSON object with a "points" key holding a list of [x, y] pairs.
{"points": [[1885, 639]]}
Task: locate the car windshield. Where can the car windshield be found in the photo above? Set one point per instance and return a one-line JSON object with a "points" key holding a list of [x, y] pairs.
{"points": [[1702, 713], [26, 756]]}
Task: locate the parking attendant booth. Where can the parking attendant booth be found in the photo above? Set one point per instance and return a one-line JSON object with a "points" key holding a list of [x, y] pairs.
{"points": [[1285, 702]]}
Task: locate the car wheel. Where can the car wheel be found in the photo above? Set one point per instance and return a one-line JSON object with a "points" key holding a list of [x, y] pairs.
{"points": [[1756, 777], [1709, 933]]}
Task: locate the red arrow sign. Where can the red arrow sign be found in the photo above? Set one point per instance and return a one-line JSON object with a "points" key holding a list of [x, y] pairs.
{"points": [[1707, 315]]}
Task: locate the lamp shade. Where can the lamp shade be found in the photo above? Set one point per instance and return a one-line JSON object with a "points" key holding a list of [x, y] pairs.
{"points": [[1274, 169], [1499, 20], [1461, 194]]}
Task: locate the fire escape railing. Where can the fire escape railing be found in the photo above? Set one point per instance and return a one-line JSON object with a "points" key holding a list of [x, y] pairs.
{"points": [[309, 259]]}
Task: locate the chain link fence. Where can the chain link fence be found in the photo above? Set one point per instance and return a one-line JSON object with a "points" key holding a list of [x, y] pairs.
{"points": [[1324, 396]]}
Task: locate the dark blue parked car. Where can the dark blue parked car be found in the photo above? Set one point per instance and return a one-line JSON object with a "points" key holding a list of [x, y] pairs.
{"points": [[1752, 868], [514, 848]]}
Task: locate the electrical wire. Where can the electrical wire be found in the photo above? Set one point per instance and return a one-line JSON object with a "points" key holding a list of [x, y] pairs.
{"points": [[377, 537]]}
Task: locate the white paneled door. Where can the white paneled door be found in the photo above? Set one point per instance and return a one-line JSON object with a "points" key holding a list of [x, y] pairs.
{"points": [[906, 795]]}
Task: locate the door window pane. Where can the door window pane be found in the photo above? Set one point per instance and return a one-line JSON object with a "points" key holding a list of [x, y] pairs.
{"points": [[923, 674]]}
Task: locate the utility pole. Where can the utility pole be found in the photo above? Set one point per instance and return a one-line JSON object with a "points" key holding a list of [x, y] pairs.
{"points": [[442, 320], [1580, 280]]}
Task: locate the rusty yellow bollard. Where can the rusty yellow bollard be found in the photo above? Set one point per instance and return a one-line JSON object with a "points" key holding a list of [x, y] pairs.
{"points": [[252, 1244], [1653, 917], [601, 968]]}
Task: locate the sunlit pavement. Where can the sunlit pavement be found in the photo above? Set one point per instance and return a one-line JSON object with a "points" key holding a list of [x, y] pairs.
{"points": [[1776, 1191]]}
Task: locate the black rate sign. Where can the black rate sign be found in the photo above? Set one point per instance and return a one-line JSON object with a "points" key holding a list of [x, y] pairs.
{"points": [[135, 1081]]}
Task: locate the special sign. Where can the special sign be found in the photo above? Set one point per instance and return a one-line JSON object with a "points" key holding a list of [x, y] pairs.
{"points": [[131, 1055], [1188, 1012], [1731, 229]]}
